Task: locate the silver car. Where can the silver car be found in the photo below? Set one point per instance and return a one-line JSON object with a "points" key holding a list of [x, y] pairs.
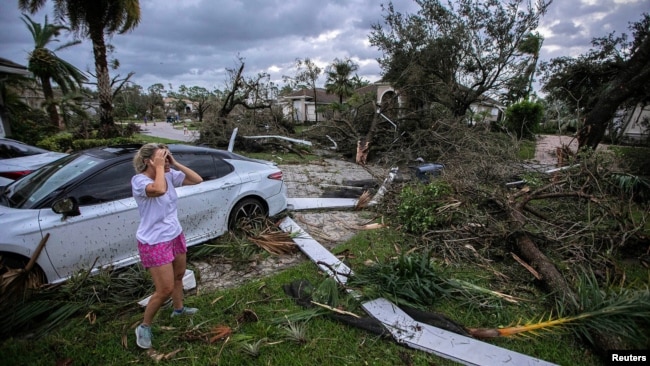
{"points": [[18, 159], [84, 202]]}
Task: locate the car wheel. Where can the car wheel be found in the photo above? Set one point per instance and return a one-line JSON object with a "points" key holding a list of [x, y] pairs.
{"points": [[245, 212], [14, 281]]}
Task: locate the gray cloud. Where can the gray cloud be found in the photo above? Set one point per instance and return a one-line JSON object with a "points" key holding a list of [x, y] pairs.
{"points": [[192, 42]]}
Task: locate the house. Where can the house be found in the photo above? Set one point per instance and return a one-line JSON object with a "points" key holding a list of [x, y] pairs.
{"points": [[301, 107], [6, 68], [171, 103], [635, 123], [485, 110]]}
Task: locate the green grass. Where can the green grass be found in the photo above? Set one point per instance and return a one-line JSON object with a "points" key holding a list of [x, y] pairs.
{"points": [[526, 150], [327, 341], [104, 334]]}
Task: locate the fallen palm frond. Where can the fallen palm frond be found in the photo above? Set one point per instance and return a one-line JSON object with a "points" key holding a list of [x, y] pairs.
{"points": [[414, 281], [275, 242], [625, 313], [363, 200], [50, 306], [14, 281]]}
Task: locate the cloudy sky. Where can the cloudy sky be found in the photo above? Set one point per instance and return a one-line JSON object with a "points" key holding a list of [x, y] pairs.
{"points": [[191, 42]]}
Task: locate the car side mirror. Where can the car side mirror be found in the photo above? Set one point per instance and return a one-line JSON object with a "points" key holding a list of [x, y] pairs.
{"points": [[66, 206]]}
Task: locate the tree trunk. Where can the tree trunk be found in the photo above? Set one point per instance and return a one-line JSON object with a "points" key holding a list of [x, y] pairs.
{"points": [[50, 105], [554, 280], [106, 122], [363, 145], [630, 82]]}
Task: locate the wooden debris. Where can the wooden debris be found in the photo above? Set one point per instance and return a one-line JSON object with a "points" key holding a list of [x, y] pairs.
{"points": [[528, 267]]}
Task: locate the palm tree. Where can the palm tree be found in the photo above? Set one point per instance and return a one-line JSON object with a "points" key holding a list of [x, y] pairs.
{"points": [[531, 45], [339, 78], [95, 20], [48, 67]]}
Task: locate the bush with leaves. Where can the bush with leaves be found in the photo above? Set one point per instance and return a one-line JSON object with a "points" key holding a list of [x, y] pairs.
{"points": [[31, 126], [524, 118], [420, 207]]}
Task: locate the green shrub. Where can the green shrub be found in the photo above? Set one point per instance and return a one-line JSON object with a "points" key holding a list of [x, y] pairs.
{"points": [[65, 142], [524, 118], [419, 206], [61, 142], [30, 126], [89, 143]]}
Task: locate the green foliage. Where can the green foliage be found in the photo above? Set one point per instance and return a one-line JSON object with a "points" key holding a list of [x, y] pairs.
{"points": [[624, 312], [636, 159], [526, 150], [30, 126], [65, 142], [410, 280], [425, 52], [523, 118], [89, 143], [61, 142], [419, 207]]}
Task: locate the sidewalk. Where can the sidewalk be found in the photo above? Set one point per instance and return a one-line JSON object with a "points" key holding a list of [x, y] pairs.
{"points": [[167, 130]]}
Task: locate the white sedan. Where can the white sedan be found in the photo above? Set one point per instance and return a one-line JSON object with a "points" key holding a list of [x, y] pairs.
{"points": [[18, 159], [83, 201]]}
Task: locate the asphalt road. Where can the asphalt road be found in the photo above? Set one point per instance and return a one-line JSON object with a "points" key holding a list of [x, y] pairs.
{"points": [[169, 131]]}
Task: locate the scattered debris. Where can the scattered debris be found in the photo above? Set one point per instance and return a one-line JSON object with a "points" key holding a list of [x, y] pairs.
{"points": [[16, 280], [404, 329], [274, 242]]}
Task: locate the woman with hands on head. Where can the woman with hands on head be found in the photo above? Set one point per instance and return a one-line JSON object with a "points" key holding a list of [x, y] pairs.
{"points": [[161, 243]]}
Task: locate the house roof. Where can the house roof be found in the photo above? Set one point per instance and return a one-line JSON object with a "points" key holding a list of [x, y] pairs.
{"points": [[10, 67]]}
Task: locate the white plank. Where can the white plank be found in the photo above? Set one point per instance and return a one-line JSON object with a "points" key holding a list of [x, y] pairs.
{"points": [[307, 203], [325, 260], [443, 343]]}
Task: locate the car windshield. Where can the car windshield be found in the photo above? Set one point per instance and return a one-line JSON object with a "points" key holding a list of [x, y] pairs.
{"points": [[26, 192]]}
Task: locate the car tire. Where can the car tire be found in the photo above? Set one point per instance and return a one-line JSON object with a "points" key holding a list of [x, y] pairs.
{"points": [[245, 211]]}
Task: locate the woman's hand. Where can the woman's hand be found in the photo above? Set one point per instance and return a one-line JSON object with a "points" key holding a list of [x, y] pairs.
{"points": [[170, 158], [159, 158]]}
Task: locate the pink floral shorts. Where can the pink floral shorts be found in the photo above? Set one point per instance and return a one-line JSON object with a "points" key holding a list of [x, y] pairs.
{"points": [[156, 255]]}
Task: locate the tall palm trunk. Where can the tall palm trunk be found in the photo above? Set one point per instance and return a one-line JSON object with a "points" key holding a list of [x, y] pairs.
{"points": [[107, 124], [48, 93]]}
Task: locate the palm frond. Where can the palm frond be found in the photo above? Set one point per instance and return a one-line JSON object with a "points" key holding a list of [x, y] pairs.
{"points": [[624, 313]]}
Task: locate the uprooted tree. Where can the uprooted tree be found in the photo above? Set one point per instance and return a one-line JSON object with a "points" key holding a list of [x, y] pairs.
{"points": [[614, 74], [559, 226], [245, 103], [440, 60], [454, 53]]}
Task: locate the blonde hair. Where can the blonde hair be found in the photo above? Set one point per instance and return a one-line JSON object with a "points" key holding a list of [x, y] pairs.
{"points": [[145, 153]]}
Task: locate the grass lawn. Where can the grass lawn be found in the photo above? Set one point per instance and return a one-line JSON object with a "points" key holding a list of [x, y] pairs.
{"points": [[266, 327]]}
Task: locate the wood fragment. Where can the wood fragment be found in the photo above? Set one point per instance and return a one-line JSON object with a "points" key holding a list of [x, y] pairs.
{"points": [[339, 311], [525, 265]]}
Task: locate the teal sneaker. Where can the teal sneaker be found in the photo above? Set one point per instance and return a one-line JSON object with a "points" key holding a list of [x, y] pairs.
{"points": [[184, 311], [143, 336]]}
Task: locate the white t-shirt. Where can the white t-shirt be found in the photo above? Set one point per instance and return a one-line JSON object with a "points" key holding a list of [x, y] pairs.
{"points": [[158, 215]]}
